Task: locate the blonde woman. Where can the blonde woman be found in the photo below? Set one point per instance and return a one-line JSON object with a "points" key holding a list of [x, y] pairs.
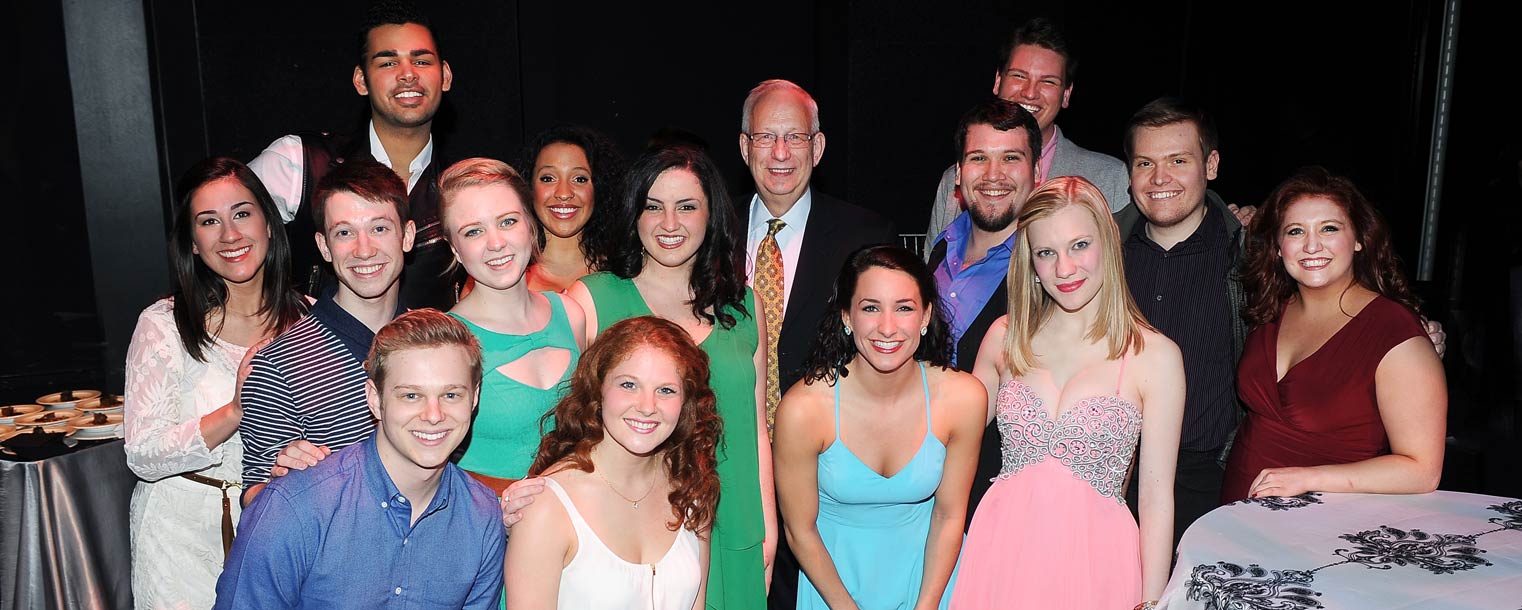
{"points": [[1075, 377]]}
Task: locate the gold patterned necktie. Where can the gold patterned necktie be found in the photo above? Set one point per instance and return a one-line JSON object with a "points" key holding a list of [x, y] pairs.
{"points": [[768, 284]]}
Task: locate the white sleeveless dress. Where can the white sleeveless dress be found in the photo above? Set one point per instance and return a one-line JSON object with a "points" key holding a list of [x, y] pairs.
{"points": [[597, 578]]}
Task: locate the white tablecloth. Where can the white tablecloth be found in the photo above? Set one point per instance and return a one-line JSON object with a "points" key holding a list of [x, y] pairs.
{"points": [[1448, 550]]}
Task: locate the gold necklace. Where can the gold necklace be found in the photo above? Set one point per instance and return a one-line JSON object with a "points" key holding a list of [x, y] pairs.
{"points": [[634, 501]]}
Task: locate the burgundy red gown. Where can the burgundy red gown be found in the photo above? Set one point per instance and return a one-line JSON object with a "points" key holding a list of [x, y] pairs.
{"points": [[1324, 411]]}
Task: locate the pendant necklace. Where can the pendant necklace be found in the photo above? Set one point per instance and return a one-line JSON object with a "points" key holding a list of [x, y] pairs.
{"points": [[634, 501]]}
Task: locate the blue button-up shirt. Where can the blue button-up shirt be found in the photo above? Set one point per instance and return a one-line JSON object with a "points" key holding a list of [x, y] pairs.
{"points": [[340, 535], [964, 292]]}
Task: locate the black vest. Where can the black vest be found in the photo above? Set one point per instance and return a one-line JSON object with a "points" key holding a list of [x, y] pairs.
{"points": [[990, 457], [424, 281]]}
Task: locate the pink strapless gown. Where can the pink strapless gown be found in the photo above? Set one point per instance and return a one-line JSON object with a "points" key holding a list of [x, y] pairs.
{"points": [[1054, 531]]}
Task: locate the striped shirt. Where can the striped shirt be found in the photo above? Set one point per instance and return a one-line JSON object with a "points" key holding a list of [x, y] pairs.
{"points": [[309, 383]]}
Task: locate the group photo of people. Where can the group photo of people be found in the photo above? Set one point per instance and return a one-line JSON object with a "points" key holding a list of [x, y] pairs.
{"points": [[589, 375]]}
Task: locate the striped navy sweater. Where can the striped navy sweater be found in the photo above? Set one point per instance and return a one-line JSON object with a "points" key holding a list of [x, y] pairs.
{"points": [[309, 383]]}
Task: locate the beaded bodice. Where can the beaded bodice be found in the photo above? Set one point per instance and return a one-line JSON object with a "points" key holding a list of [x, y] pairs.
{"points": [[1095, 438]]}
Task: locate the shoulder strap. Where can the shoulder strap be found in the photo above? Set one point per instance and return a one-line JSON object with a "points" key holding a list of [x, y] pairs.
{"points": [[837, 409], [1120, 377], [925, 383]]}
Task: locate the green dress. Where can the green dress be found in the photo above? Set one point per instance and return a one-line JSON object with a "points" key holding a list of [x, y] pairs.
{"points": [[736, 569], [505, 435]]}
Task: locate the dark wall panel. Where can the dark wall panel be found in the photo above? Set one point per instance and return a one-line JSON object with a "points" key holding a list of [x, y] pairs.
{"points": [[266, 75], [639, 67]]}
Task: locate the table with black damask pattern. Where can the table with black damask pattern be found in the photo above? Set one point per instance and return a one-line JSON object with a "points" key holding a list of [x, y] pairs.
{"points": [[1441, 550]]}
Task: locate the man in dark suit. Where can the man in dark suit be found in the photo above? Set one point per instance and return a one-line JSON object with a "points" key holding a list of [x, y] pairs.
{"points": [[796, 241], [998, 144], [781, 142]]}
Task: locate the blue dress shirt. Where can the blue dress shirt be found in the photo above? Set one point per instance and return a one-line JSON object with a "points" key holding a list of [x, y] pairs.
{"points": [[964, 292], [339, 535]]}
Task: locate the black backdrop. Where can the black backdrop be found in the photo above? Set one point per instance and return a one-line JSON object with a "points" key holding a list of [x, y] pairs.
{"points": [[1290, 83], [1349, 88]]}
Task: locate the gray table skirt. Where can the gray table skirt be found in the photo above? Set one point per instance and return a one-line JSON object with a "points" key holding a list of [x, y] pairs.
{"points": [[64, 539]]}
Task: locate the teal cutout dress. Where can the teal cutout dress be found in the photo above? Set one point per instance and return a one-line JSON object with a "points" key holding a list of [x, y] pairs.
{"points": [[505, 436]]}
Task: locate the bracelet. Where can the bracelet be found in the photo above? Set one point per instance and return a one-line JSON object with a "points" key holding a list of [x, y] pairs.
{"points": [[1147, 605]]}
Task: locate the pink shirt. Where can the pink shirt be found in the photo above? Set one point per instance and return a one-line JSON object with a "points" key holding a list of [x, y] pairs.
{"points": [[1048, 150]]}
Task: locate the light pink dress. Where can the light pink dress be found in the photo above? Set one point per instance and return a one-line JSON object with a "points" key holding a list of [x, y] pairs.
{"points": [[1054, 531]]}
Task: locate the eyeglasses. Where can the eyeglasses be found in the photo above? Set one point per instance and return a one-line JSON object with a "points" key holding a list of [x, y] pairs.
{"points": [[793, 140]]}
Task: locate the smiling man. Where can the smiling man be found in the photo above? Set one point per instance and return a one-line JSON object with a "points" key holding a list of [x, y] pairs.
{"points": [[999, 145], [796, 237], [309, 383], [401, 73], [1037, 72], [796, 240], [425, 534]]}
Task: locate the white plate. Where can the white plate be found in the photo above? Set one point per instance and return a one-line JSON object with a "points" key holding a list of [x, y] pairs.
{"points": [[55, 400], [58, 417], [20, 410], [98, 432], [92, 405]]}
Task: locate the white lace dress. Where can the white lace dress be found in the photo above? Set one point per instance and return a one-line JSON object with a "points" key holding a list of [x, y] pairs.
{"points": [[177, 523]]}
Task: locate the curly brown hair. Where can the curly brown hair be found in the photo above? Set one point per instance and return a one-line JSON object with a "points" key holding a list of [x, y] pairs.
{"points": [[689, 453], [1376, 267]]}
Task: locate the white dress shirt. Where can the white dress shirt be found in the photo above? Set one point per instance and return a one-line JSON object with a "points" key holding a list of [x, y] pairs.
{"points": [[789, 239], [280, 167]]}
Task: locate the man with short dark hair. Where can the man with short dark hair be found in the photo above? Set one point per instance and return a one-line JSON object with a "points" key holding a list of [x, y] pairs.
{"points": [[1037, 72], [307, 386], [389, 520], [401, 73], [999, 147], [1183, 251]]}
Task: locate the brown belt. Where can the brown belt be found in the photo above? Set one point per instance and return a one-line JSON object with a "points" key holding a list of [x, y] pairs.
{"points": [[227, 507]]}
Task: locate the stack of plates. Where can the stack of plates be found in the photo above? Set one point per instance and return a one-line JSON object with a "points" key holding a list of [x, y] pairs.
{"points": [[56, 400], [17, 411], [105, 403], [85, 427]]}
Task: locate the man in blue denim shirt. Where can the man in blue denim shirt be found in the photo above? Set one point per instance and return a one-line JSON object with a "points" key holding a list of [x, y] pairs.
{"points": [[389, 521]]}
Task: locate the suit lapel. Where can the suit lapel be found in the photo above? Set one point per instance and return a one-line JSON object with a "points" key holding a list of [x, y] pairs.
{"points": [[809, 278]]}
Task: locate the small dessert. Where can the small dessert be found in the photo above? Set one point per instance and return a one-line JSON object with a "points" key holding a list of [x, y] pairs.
{"points": [[7, 411], [66, 396], [48, 417], [98, 419], [110, 400]]}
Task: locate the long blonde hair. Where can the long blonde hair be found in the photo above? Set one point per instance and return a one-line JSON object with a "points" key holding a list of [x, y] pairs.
{"points": [[1030, 306]]}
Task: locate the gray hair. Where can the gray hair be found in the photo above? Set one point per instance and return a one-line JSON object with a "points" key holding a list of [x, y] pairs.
{"points": [[775, 85]]}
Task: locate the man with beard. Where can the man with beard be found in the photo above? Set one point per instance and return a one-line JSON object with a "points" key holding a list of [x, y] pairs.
{"points": [[1037, 71], [999, 144], [401, 73]]}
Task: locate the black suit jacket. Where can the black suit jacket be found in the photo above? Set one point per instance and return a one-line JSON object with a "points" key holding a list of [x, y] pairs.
{"points": [[832, 232], [990, 457]]}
